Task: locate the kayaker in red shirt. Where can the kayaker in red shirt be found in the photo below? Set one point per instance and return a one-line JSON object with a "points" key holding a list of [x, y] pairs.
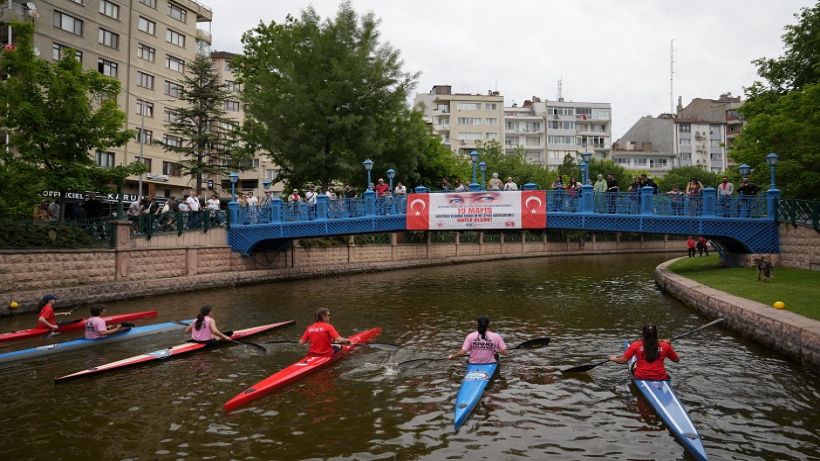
{"points": [[47, 317], [321, 335], [651, 353]]}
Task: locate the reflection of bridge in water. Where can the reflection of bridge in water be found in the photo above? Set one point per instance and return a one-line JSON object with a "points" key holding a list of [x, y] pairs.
{"points": [[736, 224]]}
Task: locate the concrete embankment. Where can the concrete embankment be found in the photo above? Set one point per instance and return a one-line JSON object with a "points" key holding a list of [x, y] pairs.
{"points": [[154, 267], [783, 331]]}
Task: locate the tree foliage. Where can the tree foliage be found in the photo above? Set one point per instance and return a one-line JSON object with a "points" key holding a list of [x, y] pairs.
{"points": [[325, 95], [680, 177], [58, 115], [783, 114], [210, 139]]}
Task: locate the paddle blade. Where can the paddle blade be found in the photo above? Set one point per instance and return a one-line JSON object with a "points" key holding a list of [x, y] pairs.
{"points": [[583, 368], [281, 341], [258, 347], [533, 343]]}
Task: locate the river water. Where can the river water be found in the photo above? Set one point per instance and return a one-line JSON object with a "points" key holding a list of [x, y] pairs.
{"points": [[748, 403]]}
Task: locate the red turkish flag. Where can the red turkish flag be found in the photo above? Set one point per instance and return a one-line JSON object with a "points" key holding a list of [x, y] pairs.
{"points": [[418, 212], [533, 209]]}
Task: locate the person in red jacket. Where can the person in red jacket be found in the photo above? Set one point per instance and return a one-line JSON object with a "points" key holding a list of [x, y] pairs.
{"points": [[381, 188], [321, 335], [651, 353], [690, 244]]}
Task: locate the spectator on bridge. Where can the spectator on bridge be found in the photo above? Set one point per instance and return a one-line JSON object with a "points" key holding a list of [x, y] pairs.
{"points": [[600, 190], [331, 193], [676, 198], [213, 205], [134, 212], [194, 206], [459, 187], [635, 185], [690, 244], [381, 188], [400, 189], [349, 192], [294, 196], [510, 185], [310, 195], [266, 199], [612, 190], [445, 184], [703, 246], [747, 188], [647, 181], [693, 190], [724, 192], [494, 183], [183, 206]]}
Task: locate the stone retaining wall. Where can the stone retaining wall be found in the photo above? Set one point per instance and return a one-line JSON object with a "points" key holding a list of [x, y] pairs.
{"points": [[139, 269], [799, 247], [781, 330]]}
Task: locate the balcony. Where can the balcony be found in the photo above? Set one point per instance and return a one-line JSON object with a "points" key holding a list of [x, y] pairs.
{"points": [[204, 36], [16, 12]]}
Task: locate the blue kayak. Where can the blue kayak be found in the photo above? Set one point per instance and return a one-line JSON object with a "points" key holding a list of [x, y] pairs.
{"points": [[133, 332], [471, 390], [663, 400]]}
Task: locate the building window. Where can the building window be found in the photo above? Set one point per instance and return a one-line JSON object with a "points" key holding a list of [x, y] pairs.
{"points": [[145, 80], [469, 121], [491, 121], [171, 169], [228, 67], [68, 23], [145, 108], [147, 26], [657, 163], [151, 3], [489, 135], [470, 136], [177, 12], [105, 159], [172, 140], [684, 141], [145, 136], [232, 106], [147, 162], [175, 37], [230, 85], [146, 52], [109, 9], [685, 128], [107, 67], [58, 51], [170, 116], [79, 2], [469, 106], [172, 89], [491, 106], [108, 38], [622, 161], [175, 64]]}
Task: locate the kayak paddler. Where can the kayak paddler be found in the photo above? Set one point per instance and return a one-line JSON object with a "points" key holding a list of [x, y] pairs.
{"points": [[321, 335], [482, 344], [95, 326], [47, 317], [651, 353], [204, 328]]}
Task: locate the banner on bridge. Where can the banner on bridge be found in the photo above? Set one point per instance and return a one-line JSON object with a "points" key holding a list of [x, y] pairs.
{"points": [[477, 210]]}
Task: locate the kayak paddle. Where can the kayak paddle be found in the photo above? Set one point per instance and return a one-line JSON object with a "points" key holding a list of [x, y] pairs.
{"points": [[382, 346], [589, 366], [529, 344]]}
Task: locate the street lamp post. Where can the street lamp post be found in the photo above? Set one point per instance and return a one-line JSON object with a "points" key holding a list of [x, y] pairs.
{"points": [[391, 173], [142, 133], [482, 166], [585, 157], [772, 160], [368, 165], [744, 170], [474, 159], [234, 178]]}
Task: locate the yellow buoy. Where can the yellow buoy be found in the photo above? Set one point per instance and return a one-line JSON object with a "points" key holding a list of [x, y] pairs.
{"points": [[779, 305], [13, 304]]}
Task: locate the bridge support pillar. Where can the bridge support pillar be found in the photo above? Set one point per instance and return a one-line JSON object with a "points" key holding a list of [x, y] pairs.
{"points": [[587, 198], [772, 196], [276, 210], [394, 246]]}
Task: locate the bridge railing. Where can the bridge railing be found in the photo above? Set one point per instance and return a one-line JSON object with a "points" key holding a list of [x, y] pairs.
{"points": [[802, 212], [645, 202]]}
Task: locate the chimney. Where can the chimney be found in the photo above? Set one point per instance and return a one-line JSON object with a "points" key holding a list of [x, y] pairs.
{"points": [[680, 105]]}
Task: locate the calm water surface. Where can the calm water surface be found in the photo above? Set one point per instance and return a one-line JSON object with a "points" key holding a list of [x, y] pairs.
{"points": [[748, 403]]}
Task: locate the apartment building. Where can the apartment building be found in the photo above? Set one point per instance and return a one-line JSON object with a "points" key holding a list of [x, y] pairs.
{"points": [[525, 133], [701, 143], [648, 146], [722, 111], [463, 120], [261, 169], [573, 127], [145, 44]]}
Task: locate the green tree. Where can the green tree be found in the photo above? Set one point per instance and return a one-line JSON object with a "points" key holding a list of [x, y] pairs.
{"points": [[512, 165], [210, 139], [783, 114], [680, 177], [605, 167], [57, 115], [324, 95], [568, 169]]}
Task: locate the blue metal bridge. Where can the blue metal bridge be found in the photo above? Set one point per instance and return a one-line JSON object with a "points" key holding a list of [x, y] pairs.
{"points": [[734, 224]]}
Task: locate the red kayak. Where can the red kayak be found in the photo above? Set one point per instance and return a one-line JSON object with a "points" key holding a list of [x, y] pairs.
{"points": [[175, 351], [296, 371], [70, 325]]}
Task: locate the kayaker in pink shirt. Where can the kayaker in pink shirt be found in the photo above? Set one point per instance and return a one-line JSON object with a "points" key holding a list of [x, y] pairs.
{"points": [[204, 327], [95, 326], [482, 345]]}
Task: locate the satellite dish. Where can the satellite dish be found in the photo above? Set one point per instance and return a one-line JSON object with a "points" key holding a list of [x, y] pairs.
{"points": [[31, 6], [36, 51]]}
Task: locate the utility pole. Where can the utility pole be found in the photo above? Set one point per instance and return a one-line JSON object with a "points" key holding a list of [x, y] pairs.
{"points": [[672, 76]]}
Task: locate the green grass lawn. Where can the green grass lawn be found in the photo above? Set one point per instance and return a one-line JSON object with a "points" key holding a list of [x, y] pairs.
{"points": [[798, 288]]}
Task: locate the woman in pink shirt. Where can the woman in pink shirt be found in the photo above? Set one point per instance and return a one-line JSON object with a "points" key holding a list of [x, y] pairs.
{"points": [[204, 327], [95, 326], [483, 345]]}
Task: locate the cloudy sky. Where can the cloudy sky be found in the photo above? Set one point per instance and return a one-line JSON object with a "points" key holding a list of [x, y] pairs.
{"points": [[615, 51]]}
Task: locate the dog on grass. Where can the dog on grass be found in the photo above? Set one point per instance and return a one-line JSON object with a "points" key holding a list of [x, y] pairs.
{"points": [[765, 270]]}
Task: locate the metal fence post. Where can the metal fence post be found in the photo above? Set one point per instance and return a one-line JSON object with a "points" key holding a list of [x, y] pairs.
{"points": [[772, 196], [276, 210], [709, 199], [647, 201], [369, 202], [587, 198], [321, 207]]}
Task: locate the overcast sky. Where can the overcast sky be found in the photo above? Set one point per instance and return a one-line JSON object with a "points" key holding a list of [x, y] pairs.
{"points": [[615, 51]]}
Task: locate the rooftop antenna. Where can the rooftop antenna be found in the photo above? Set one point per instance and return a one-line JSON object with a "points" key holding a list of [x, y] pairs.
{"points": [[672, 76], [560, 90]]}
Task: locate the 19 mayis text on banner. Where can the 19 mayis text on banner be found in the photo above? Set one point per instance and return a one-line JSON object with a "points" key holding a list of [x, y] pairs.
{"points": [[477, 210]]}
